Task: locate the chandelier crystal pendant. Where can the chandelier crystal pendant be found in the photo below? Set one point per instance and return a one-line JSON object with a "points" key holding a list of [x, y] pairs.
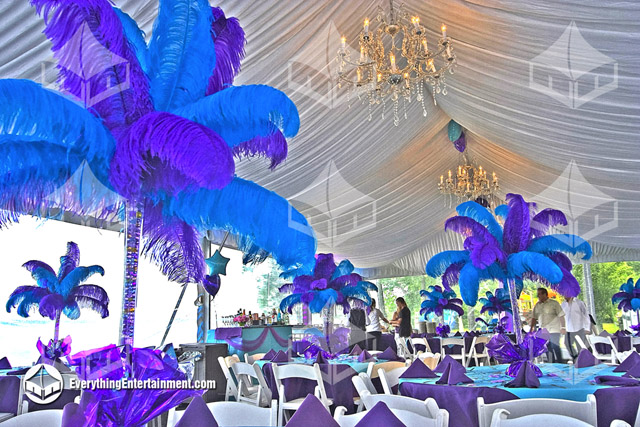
{"points": [[395, 62], [469, 183]]}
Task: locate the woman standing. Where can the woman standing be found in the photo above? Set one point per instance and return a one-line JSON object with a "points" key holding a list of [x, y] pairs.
{"points": [[403, 319], [374, 329]]}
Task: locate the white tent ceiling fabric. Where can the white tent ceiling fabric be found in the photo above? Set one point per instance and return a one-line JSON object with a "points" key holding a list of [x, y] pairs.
{"points": [[548, 93]]}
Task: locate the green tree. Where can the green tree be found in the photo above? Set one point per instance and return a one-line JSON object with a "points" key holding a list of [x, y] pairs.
{"points": [[268, 288]]}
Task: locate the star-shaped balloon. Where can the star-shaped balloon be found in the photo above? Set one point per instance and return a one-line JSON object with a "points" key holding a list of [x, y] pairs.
{"points": [[217, 264]]}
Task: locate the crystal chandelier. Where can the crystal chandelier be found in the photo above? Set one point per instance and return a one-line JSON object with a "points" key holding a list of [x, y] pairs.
{"points": [[469, 183], [395, 61]]}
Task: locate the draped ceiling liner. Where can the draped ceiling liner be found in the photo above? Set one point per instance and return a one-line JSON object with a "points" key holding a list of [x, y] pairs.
{"points": [[547, 92]]}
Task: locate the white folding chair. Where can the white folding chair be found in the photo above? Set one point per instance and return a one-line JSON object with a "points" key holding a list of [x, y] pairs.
{"points": [[236, 414], [429, 359], [484, 355], [259, 394], [251, 358], [455, 342], [583, 411], [241, 414], [46, 417], [403, 349], [619, 423], [366, 380], [419, 341], [232, 387], [406, 417], [428, 408], [298, 371], [390, 379], [609, 358], [500, 420]]}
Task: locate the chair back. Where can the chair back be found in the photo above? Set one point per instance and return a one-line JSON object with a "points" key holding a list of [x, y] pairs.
{"points": [[619, 423], [390, 379], [251, 358], [232, 387], [403, 348], [583, 411], [580, 342], [386, 366], [245, 373], [406, 417], [452, 341], [243, 414], [47, 417], [366, 379], [593, 340], [428, 407], [500, 419], [419, 341], [296, 370]]}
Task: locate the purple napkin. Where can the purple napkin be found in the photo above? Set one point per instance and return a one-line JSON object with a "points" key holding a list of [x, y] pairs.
{"points": [[280, 357], [197, 415], [418, 370], [633, 372], [613, 380], [628, 363], [365, 356], [457, 334], [269, 355], [356, 350], [20, 371], [604, 334], [389, 354], [312, 413], [448, 360], [526, 377], [454, 375], [619, 334], [320, 358], [73, 416], [4, 363], [379, 416], [585, 359]]}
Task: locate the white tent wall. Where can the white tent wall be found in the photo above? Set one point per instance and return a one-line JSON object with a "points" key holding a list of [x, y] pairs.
{"points": [[369, 188]]}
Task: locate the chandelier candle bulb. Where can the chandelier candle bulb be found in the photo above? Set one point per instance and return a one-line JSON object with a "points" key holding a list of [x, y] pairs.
{"points": [[441, 179], [366, 27], [444, 31], [416, 22], [343, 40], [362, 56], [392, 58], [379, 77]]}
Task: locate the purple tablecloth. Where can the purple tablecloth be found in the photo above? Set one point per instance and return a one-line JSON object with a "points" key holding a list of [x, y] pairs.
{"points": [[461, 402], [9, 392], [226, 333]]}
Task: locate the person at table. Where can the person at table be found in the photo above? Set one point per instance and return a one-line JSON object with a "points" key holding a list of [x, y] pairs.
{"points": [[549, 315], [578, 323], [403, 320], [374, 329], [358, 325]]}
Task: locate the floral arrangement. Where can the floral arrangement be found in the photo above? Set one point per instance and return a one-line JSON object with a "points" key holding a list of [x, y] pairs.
{"points": [[443, 330], [241, 318]]}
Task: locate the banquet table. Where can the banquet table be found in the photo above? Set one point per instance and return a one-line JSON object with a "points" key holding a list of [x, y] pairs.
{"points": [[559, 381], [337, 374]]}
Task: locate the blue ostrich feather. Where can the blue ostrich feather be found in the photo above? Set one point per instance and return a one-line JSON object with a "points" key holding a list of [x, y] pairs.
{"points": [[181, 53], [520, 263], [561, 242], [257, 216], [482, 215], [502, 211], [240, 113], [135, 36], [628, 298], [438, 264]]}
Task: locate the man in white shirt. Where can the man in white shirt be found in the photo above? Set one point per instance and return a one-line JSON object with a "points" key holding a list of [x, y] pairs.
{"points": [[578, 323], [549, 315]]}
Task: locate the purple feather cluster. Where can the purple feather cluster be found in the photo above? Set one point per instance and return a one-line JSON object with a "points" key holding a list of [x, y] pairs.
{"points": [[628, 299]]}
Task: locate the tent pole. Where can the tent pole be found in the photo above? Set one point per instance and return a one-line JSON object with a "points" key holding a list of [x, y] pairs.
{"points": [[381, 298], [588, 284], [204, 309]]}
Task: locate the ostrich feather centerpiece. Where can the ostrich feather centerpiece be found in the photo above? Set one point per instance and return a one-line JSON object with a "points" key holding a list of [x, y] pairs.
{"points": [[160, 127], [328, 286], [57, 294], [521, 249], [628, 298]]}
